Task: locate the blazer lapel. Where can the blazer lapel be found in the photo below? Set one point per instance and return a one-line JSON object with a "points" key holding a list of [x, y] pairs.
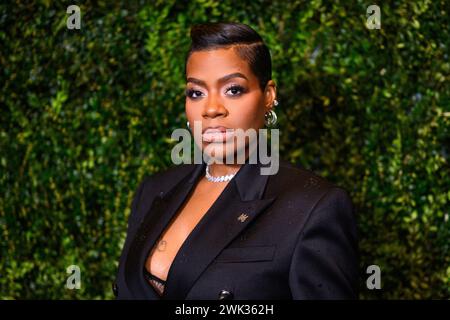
{"points": [[238, 205], [155, 221]]}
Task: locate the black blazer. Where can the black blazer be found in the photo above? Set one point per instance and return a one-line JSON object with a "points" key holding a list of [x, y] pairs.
{"points": [[291, 235]]}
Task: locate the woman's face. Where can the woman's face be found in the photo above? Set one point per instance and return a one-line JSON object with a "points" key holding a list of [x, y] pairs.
{"points": [[223, 94]]}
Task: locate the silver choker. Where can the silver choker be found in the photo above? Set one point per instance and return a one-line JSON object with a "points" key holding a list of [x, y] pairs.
{"points": [[225, 178]]}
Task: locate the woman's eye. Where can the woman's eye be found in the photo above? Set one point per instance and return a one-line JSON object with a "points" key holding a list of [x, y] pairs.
{"points": [[193, 94], [235, 90]]}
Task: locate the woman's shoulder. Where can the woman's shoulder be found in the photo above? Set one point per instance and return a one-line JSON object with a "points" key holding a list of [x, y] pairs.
{"points": [[301, 176], [296, 180], [165, 178]]}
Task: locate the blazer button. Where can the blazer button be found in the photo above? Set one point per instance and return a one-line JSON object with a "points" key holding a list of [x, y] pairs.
{"points": [[225, 295], [115, 289]]}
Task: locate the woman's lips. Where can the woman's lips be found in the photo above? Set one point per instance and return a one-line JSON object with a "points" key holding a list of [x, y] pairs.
{"points": [[220, 134]]}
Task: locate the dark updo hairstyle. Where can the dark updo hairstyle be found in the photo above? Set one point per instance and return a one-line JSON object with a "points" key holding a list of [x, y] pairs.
{"points": [[247, 42]]}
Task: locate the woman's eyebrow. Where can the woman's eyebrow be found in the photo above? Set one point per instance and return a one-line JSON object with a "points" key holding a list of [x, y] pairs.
{"points": [[223, 79], [232, 75]]}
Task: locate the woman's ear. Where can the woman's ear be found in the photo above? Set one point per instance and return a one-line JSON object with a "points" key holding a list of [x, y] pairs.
{"points": [[270, 94]]}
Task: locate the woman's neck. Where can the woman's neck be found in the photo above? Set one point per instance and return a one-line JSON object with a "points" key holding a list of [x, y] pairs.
{"points": [[216, 169]]}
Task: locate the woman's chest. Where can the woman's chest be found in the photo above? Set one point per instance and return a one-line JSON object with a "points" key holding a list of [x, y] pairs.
{"points": [[161, 257]]}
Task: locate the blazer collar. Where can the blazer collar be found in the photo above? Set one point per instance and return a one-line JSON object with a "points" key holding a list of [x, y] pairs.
{"points": [[248, 180], [244, 195]]}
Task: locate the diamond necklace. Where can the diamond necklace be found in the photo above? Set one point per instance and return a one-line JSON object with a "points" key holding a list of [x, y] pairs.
{"points": [[211, 178]]}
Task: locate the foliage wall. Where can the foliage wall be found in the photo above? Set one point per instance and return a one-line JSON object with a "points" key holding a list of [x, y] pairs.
{"points": [[86, 114]]}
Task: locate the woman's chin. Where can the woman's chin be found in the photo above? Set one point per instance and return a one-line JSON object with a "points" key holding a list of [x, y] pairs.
{"points": [[224, 153], [217, 152]]}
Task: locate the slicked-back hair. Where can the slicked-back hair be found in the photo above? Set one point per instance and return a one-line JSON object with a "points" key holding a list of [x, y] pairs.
{"points": [[247, 42]]}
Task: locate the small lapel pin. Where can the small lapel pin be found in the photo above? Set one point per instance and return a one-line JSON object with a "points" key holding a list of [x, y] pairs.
{"points": [[242, 217]]}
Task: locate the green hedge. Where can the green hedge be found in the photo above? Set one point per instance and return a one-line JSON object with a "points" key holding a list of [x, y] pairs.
{"points": [[86, 114]]}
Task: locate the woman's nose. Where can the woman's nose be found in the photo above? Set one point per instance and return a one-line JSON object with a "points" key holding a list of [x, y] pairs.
{"points": [[214, 108]]}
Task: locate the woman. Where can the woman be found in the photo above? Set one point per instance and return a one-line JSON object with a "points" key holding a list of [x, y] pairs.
{"points": [[224, 230]]}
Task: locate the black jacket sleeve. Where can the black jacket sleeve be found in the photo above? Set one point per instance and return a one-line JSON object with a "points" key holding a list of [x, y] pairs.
{"points": [[325, 260]]}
